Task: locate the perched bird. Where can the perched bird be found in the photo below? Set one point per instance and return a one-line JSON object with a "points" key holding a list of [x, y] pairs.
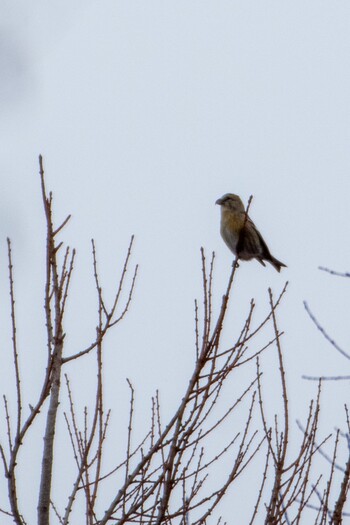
{"points": [[240, 233]]}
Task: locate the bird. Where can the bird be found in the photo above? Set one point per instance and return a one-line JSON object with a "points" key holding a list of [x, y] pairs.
{"points": [[240, 233]]}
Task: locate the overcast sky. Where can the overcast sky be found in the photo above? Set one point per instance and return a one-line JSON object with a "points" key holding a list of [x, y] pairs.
{"points": [[146, 112]]}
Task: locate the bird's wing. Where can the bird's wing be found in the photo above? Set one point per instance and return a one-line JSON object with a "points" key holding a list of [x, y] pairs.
{"points": [[265, 252], [251, 243], [248, 241]]}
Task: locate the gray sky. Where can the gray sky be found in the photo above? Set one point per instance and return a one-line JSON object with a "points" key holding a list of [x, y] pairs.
{"points": [[146, 113]]}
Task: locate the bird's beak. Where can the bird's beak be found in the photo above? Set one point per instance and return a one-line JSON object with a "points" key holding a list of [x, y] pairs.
{"points": [[219, 201]]}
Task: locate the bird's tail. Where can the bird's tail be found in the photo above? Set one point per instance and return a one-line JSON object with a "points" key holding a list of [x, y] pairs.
{"points": [[277, 264]]}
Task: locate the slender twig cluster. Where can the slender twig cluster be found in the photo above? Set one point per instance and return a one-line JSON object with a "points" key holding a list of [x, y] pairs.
{"points": [[178, 472]]}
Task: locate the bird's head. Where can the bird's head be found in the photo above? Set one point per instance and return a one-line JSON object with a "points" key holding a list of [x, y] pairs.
{"points": [[230, 201]]}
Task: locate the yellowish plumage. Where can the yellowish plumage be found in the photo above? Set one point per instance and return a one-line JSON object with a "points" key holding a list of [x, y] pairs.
{"points": [[240, 233]]}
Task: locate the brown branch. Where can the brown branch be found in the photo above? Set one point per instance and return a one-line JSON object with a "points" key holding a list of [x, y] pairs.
{"points": [[55, 348], [109, 314]]}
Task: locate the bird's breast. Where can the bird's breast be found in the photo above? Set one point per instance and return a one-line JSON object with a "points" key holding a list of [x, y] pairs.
{"points": [[231, 225]]}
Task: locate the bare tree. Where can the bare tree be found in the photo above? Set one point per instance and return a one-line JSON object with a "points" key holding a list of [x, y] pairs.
{"points": [[179, 471], [336, 515]]}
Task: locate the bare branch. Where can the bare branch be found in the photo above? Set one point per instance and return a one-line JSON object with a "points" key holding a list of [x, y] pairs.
{"points": [[332, 272], [324, 333]]}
